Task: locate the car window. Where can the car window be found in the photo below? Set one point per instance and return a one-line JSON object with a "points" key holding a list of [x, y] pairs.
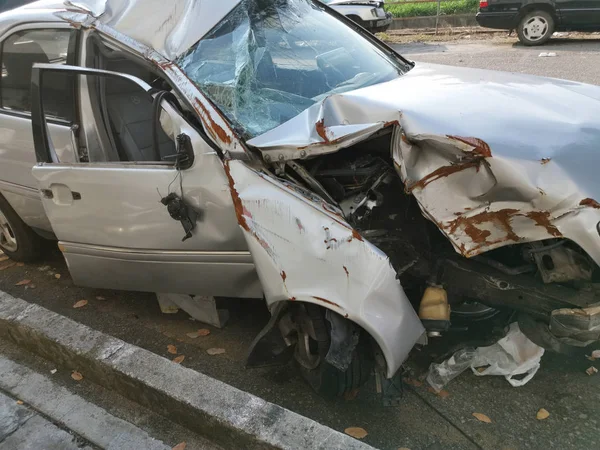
{"points": [[18, 54], [269, 60]]}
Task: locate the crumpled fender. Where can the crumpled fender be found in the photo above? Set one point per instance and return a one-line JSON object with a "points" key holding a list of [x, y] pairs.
{"points": [[304, 250]]}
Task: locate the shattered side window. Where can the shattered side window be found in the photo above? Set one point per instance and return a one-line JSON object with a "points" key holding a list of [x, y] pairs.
{"points": [[269, 60]]}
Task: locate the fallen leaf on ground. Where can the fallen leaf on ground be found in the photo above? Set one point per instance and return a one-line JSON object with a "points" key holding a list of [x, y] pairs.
{"points": [[542, 414], [3, 258], [53, 371], [482, 417], [596, 354], [180, 446], [99, 297], [443, 394], [179, 359], [20, 264], [172, 349], [19, 402], [57, 276], [412, 382], [23, 282], [80, 304], [351, 395], [7, 265], [215, 351], [356, 432], [201, 332], [591, 370], [76, 376]]}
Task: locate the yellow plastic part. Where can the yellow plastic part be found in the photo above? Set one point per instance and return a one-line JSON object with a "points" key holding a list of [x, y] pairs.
{"points": [[434, 304]]}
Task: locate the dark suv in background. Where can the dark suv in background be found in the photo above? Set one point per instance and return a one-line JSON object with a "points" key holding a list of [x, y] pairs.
{"points": [[535, 21]]}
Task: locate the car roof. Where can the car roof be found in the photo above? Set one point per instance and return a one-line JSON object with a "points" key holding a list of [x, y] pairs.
{"points": [[168, 26]]}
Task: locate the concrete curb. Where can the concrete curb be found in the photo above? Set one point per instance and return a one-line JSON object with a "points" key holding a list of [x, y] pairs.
{"points": [[445, 21], [222, 413]]}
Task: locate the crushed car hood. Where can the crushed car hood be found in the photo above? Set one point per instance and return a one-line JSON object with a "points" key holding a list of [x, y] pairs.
{"points": [[492, 158], [518, 116]]}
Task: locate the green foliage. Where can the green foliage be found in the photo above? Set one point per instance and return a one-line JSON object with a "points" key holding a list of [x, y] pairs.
{"points": [[430, 8]]}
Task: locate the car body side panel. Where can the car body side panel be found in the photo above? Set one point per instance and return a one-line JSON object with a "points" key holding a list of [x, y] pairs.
{"points": [[17, 157], [304, 251]]}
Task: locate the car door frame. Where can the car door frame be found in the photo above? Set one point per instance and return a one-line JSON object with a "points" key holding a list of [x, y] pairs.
{"points": [[23, 196], [184, 270]]}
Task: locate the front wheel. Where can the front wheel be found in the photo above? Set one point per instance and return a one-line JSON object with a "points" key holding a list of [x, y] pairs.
{"points": [[313, 342], [535, 28]]}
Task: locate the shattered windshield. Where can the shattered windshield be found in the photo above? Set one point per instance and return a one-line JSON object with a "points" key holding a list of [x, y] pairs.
{"points": [[269, 60]]}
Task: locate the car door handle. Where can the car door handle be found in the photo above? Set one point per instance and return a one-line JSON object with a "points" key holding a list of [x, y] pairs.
{"points": [[62, 192]]}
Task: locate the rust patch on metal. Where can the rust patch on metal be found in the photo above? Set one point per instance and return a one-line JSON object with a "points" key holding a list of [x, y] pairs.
{"points": [[324, 300], [215, 128], [356, 235], [542, 219], [283, 275], [237, 201], [545, 160], [443, 172], [479, 146], [322, 131], [346, 270], [590, 202], [500, 218]]}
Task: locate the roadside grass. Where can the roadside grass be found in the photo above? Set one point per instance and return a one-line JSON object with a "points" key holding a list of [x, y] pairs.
{"points": [[430, 8]]}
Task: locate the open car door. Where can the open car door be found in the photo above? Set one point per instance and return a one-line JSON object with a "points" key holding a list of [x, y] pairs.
{"points": [[148, 205]]}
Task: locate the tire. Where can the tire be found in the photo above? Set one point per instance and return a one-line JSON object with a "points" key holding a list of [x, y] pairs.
{"points": [[535, 28], [325, 379], [18, 241]]}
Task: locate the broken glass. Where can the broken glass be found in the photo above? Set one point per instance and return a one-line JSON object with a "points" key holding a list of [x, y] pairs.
{"points": [[269, 60]]}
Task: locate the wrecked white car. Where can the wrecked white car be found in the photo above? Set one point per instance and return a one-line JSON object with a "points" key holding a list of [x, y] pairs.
{"points": [[265, 148]]}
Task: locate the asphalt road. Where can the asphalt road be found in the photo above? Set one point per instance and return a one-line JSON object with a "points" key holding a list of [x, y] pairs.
{"points": [[423, 420], [576, 59]]}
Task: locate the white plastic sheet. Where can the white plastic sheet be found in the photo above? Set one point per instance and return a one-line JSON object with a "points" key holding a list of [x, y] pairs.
{"points": [[513, 355]]}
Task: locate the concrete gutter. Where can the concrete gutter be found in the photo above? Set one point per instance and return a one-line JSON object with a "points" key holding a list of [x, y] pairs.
{"points": [[455, 20], [222, 413]]}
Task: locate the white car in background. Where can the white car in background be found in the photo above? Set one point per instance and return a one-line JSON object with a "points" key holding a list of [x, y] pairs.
{"points": [[369, 14]]}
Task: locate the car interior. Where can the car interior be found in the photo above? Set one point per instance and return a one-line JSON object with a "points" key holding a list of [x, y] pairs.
{"points": [[125, 109]]}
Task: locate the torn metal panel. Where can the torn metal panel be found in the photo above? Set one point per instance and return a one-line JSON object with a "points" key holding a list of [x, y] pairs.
{"points": [[304, 252], [170, 27]]}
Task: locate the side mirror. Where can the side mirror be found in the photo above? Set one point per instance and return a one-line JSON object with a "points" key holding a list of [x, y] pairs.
{"points": [[167, 119]]}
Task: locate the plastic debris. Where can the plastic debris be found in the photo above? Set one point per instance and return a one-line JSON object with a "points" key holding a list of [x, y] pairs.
{"points": [[547, 54], [441, 374], [513, 355], [591, 370]]}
